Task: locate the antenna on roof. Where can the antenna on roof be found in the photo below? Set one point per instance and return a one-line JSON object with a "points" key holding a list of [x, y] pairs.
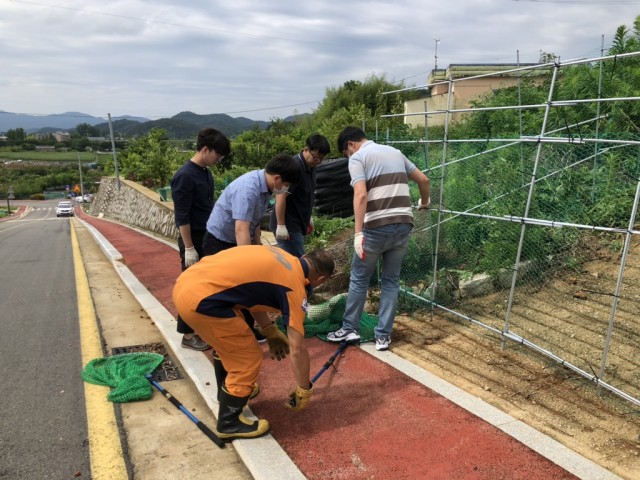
{"points": [[437, 40]]}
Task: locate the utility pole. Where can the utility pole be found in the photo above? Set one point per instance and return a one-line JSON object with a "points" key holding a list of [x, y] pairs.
{"points": [[437, 40], [113, 150], [81, 186], [10, 197]]}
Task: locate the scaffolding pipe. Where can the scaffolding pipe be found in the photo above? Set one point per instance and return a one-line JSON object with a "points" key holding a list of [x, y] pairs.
{"points": [[434, 283], [554, 103], [616, 295], [536, 163], [543, 139], [595, 157], [539, 222], [520, 121]]}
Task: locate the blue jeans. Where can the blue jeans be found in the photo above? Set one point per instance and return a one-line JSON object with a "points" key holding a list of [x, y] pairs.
{"points": [[295, 244], [389, 242]]}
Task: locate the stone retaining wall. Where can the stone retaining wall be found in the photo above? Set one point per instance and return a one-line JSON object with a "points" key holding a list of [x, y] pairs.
{"points": [[134, 205]]}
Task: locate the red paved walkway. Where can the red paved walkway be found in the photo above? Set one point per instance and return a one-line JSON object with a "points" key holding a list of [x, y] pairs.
{"points": [[15, 212], [366, 419]]}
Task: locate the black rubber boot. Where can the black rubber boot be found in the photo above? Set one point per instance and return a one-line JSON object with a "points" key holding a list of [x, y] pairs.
{"points": [[221, 373], [233, 424], [221, 376]]}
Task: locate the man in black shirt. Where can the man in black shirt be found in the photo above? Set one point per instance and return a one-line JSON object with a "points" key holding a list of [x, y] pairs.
{"points": [[192, 193], [291, 217]]}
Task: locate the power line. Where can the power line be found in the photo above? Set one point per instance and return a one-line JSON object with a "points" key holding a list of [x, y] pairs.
{"points": [[272, 108]]}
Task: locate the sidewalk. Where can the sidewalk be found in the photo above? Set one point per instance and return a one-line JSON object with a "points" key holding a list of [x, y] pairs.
{"points": [[15, 213], [374, 416]]}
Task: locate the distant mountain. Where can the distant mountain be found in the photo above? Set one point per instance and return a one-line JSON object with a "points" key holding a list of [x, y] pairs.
{"points": [[129, 117], [187, 125], [182, 125], [57, 121]]}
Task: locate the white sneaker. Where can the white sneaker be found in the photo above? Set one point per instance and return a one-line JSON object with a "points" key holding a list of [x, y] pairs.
{"points": [[343, 335], [382, 343]]}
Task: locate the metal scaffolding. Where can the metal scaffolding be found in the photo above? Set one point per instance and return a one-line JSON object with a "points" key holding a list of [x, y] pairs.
{"points": [[523, 211]]}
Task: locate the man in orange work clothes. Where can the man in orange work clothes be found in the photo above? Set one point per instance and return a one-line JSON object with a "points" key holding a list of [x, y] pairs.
{"points": [[209, 296]]}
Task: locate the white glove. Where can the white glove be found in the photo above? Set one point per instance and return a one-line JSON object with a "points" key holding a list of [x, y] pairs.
{"points": [[282, 233], [424, 206], [358, 245], [190, 256]]}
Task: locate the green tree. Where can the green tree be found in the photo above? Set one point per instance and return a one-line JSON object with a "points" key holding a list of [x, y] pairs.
{"points": [[16, 136], [148, 159], [358, 103], [86, 130], [254, 148]]}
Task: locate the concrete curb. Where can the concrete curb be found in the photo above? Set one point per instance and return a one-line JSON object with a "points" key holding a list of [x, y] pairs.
{"points": [[264, 457]]}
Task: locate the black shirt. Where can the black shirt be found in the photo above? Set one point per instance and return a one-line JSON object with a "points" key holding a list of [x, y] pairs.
{"points": [[299, 201], [192, 193]]}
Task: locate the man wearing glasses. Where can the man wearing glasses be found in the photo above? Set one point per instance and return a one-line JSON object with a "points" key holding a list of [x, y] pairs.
{"points": [[383, 220], [291, 217], [192, 194]]}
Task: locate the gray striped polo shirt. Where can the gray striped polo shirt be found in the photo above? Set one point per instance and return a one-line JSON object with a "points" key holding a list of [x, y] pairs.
{"points": [[385, 170]]}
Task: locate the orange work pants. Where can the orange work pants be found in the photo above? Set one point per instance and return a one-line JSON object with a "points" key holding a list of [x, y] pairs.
{"points": [[235, 344]]}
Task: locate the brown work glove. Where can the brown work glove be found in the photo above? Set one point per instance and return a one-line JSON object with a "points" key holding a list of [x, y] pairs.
{"points": [[278, 343], [299, 398]]}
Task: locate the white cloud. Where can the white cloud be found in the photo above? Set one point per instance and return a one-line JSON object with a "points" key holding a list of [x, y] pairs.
{"points": [[156, 59]]}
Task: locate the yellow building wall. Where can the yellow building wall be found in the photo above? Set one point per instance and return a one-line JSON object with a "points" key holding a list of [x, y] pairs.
{"points": [[464, 91]]}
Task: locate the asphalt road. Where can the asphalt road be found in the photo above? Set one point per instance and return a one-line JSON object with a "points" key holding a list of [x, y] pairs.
{"points": [[43, 428]]}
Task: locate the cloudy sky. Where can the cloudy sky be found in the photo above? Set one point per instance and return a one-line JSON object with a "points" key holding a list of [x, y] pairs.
{"points": [[269, 58]]}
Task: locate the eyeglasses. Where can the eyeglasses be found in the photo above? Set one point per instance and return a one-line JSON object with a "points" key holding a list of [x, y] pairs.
{"points": [[316, 157], [220, 157]]}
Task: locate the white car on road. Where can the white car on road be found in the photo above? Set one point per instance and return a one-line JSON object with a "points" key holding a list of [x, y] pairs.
{"points": [[64, 209], [87, 198]]}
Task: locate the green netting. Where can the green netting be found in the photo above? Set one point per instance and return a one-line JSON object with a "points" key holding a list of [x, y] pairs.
{"points": [[126, 373], [327, 317]]}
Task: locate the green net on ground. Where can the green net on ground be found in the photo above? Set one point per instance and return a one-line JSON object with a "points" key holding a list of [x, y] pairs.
{"points": [[327, 317], [126, 373]]}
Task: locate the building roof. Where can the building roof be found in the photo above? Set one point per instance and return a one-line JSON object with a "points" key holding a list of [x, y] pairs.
{"points": [[463, 70]]}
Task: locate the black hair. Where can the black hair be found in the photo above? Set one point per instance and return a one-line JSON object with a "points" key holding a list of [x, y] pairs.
{"points": [[322, 261], [319, 143], [286, 166], [349, 134], [213, 140]]}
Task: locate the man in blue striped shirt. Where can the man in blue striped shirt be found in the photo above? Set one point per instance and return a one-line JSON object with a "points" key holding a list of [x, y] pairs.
{"points": [[383, 218]]}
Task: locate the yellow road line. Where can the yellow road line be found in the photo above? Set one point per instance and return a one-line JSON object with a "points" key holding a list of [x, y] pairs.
{"points": [[105, 449]]}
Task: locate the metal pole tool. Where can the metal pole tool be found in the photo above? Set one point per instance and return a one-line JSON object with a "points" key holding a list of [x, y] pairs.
{"points": [[206, 430]]}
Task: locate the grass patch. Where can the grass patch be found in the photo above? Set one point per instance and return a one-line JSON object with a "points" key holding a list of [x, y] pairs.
{"points": [[34, 156]]}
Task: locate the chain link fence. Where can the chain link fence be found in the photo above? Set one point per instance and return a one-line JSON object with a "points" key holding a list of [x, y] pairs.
{"points": [[533, 236]]}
